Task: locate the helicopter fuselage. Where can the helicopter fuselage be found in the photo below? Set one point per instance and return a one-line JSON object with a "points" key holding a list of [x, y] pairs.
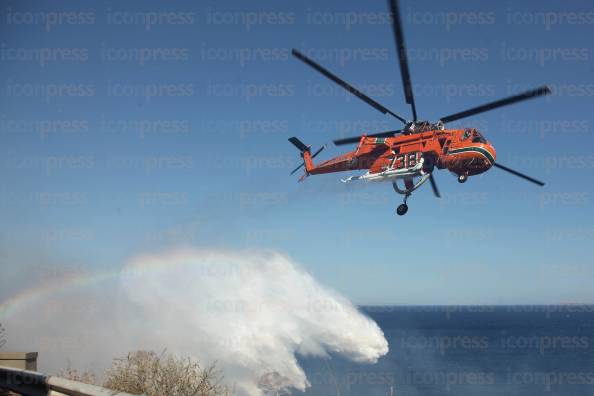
{"points": [[462, 151]]}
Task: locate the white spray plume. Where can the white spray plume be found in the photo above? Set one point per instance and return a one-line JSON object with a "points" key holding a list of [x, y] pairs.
{"points": [[251, 312]]}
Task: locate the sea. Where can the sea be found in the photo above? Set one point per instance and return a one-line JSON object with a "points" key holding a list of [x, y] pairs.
{"points": [[523, 350]]}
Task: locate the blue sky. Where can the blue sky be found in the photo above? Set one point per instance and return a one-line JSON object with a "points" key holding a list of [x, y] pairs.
{"points": [[128, 128]]}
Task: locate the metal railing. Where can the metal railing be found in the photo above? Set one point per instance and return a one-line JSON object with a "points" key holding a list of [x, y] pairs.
{"points": [[32, 383]]}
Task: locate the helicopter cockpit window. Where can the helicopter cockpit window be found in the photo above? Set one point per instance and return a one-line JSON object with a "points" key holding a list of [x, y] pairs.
{"points": [[478, 138]]}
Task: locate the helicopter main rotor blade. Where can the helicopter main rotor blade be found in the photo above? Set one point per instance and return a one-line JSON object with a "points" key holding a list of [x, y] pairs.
{"points": [[356, 139], [314, 155], [541, 91], [434, 186], [516, 173], [401, 50], [345, 85]]}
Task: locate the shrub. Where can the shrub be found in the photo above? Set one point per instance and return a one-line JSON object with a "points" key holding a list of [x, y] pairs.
{"points": [[163, 375]]}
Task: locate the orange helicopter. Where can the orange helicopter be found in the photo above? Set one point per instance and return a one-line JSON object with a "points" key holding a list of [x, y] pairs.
{"points": [[412, 153]]}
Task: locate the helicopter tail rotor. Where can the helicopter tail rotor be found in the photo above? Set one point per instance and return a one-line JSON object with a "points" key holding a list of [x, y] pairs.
{"points": [[305, 154]]}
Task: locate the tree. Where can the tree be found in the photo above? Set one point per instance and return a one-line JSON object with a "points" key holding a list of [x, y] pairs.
{"points": [[163, 375]]}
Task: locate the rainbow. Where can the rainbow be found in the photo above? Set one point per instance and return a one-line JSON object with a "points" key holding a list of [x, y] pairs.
{"points": [[28, 296], [140, 264]]}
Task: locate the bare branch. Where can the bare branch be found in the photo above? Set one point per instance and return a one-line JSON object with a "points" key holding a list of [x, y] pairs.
{"points": [[164, 375]]}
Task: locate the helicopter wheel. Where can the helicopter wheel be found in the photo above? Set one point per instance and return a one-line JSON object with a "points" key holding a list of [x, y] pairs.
{"points": [[462, 178], [402, 209]]}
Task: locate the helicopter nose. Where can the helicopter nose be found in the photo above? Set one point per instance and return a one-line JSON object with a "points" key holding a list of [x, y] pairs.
{"points": [[471, 159], [484, 157]]}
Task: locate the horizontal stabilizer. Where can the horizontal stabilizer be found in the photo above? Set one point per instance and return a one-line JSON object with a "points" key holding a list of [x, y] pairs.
{"points": [[299, 144]]}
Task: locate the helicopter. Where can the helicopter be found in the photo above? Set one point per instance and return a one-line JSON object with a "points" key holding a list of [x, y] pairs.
{"points": [[407, 157]]}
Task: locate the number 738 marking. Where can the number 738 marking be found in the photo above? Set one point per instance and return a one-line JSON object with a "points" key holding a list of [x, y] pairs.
{"points": [[407, 160]]}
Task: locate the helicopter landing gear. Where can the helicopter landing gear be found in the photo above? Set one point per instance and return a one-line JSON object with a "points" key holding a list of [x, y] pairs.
{"points": [[402, 208], [462, 178]]}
